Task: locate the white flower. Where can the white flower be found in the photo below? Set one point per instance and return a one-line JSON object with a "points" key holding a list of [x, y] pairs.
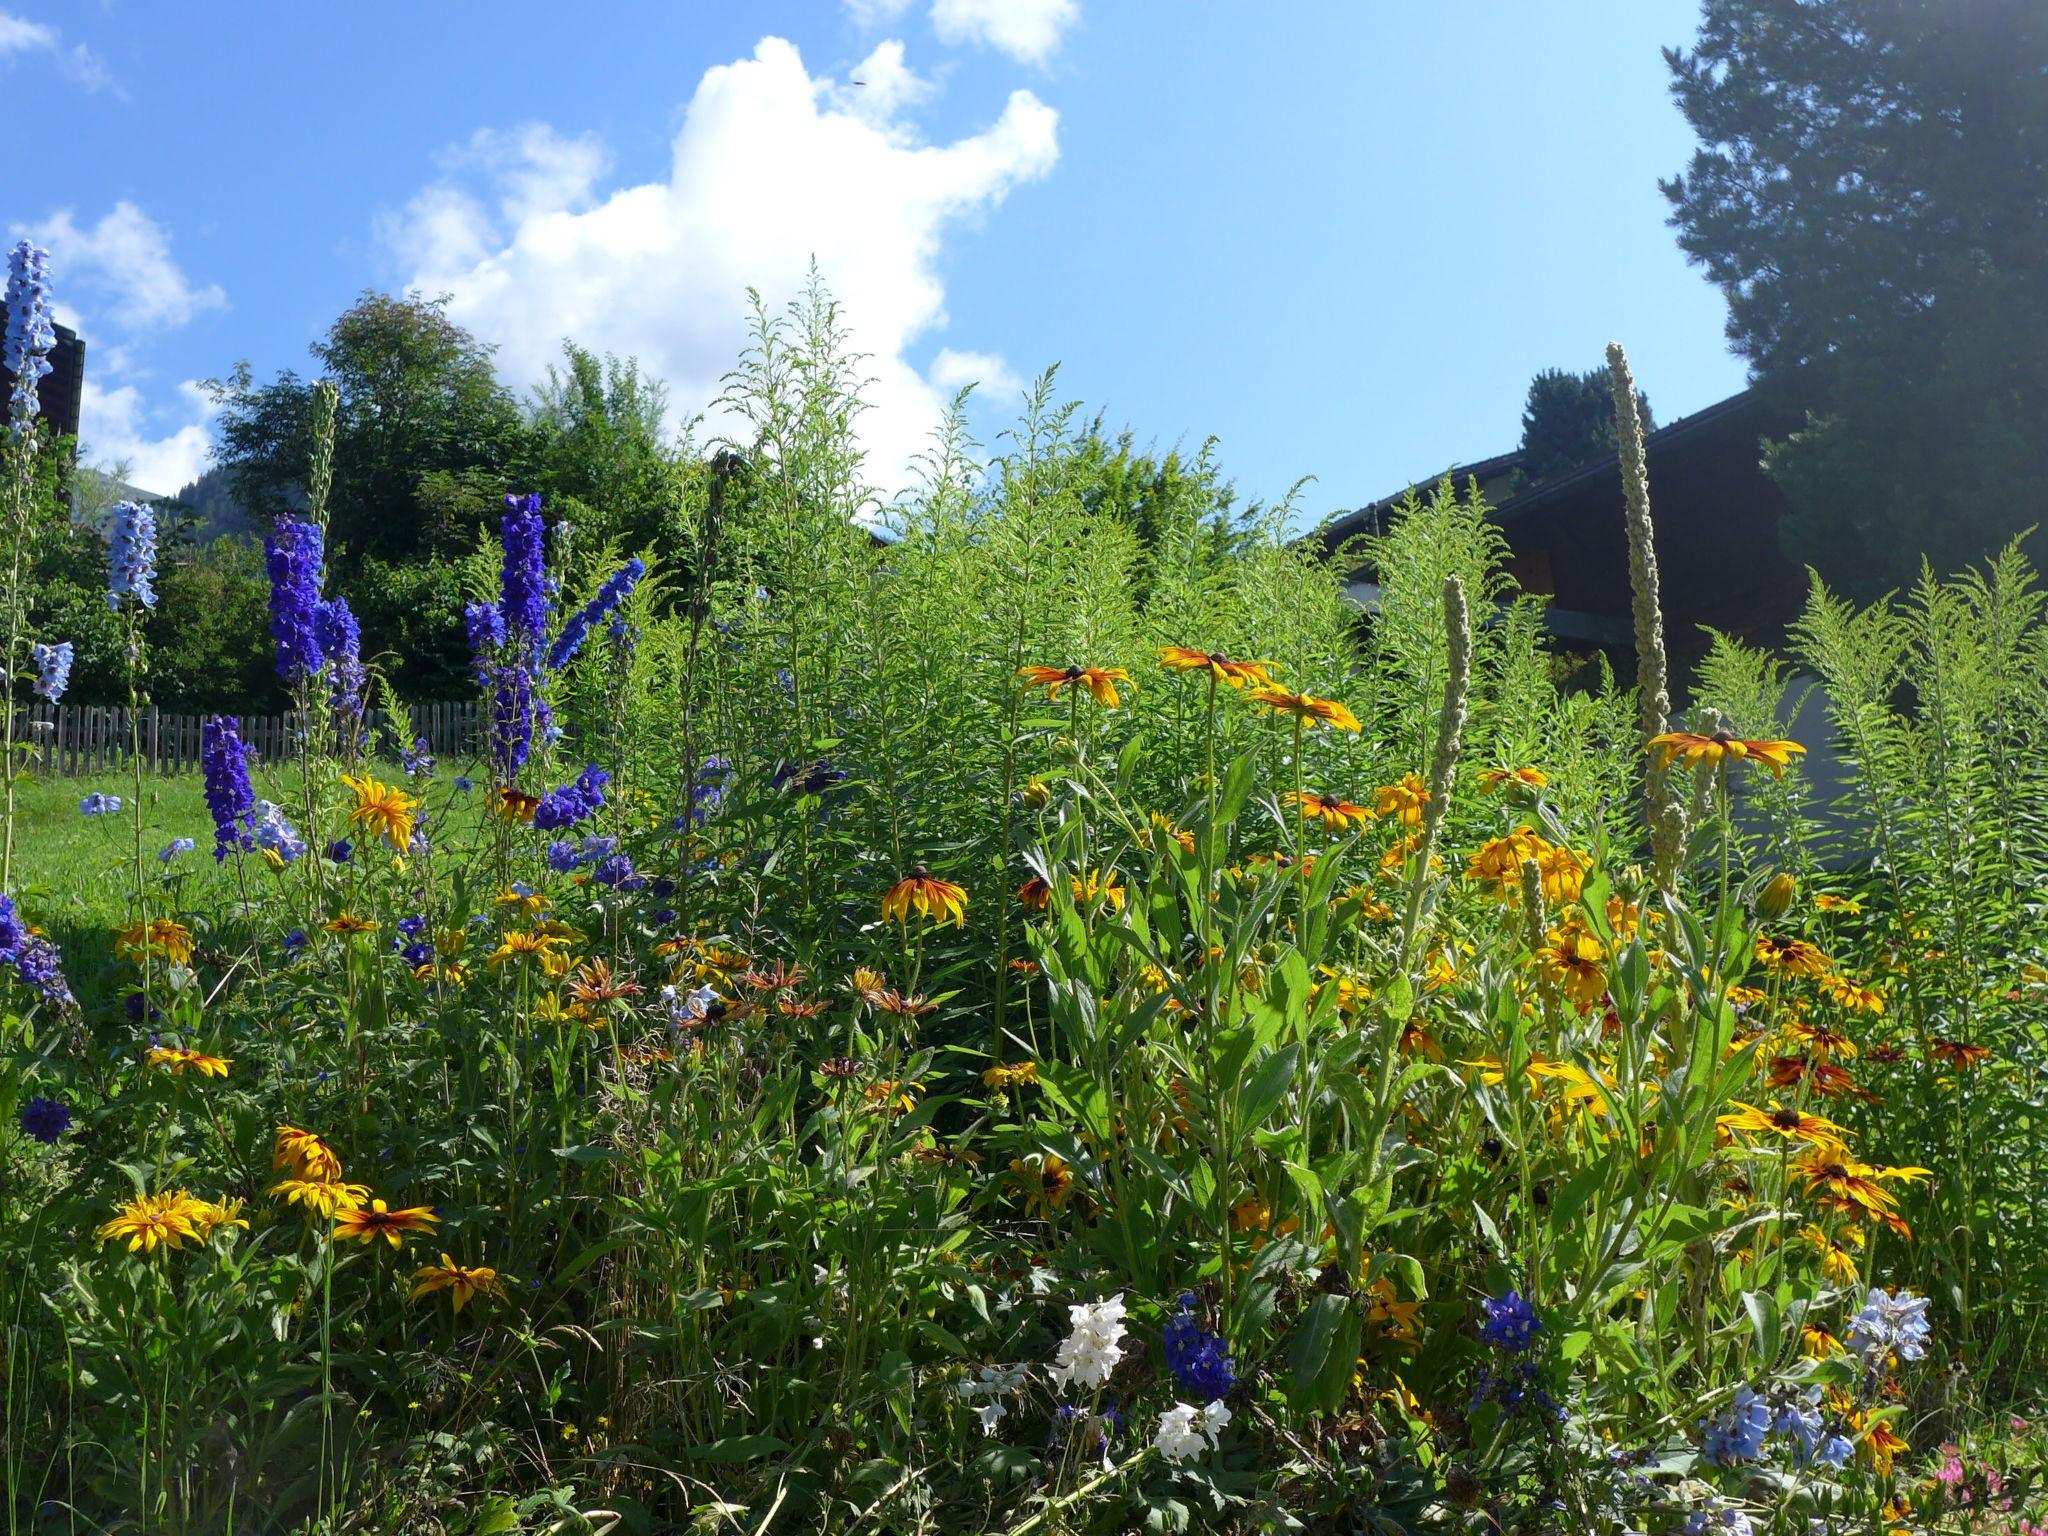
{"points": [[1185, 1431], [1088, 1354], [989, 1413]]}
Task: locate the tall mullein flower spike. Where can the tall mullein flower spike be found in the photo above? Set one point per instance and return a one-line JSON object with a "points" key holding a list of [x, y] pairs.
{"points": [[1450, 731], [320, 468], [1711, 722], [1662, 809]]}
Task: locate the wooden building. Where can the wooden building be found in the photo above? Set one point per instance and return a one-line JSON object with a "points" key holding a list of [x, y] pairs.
{"points": [[1716, 515]]}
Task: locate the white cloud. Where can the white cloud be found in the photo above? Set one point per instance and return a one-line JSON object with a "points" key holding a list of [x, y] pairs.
{"points": [[881, 87], [992, 378], [126, 259], [770, 168], [875, 13], [20, 35], [1027, 30], [114, 428]]}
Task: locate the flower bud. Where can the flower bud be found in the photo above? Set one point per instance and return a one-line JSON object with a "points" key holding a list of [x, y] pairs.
{"points": [[1036, 796], [1775, 899]]}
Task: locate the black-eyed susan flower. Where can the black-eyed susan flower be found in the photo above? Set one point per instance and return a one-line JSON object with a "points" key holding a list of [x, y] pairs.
{"points": [[149, 1222], [460, 1281], [1820, 1039], [1842, 1183], [321, 1197], [348, 925], [524, 900], [1494, 779], [1817, 1343], [1853, 995], [1838, 1261], [161, 936], [1573, 961], [1712, 750], [180, 1061], [1034, 895], [926, 894], [382, 810], [1099, 681], [892, 1096], [1786, 1122], [1305, 709], [905, 1005], [869, 985], [1238, 674], [1794, 957], [1828, 902], [1404, 800], [303, 1154], [521, 944], [211, 1216], [1164, 827], [1047, 1183], [1333, 811], [1002, 1075], [515, 805], [367, 1223], [1097, 885]]}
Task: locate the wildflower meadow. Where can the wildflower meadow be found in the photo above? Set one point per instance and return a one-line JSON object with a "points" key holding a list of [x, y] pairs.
{"points": [[949, 1016]]}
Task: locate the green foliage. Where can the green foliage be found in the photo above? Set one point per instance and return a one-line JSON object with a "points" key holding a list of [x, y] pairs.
{"points": [[1871, 196], [1568, 422]]}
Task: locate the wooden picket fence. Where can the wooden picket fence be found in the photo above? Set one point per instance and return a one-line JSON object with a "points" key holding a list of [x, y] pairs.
{"points": [[73, 740]]}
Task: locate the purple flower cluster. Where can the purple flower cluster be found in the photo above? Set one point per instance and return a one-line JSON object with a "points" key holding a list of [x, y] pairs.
{"points": [[31, 331], [53, 669], [609, 596], [341, 644], [46, 1120], [34, 959], [224, 766], [131, 555], [1197, 1358], [524, 600], [1511, 1323], [293, 555], [416, 760], [564, 856], [571, 803], [618, 873], [485, 627]]}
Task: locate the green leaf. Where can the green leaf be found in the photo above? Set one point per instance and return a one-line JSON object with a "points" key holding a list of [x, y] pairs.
{"points": [[1269, 1085], [1325, 1352]]}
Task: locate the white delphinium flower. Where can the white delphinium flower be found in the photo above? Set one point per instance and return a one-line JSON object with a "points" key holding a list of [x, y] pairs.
{"points": [[1088, 1354], [1186, 1431], [989, 1413]]}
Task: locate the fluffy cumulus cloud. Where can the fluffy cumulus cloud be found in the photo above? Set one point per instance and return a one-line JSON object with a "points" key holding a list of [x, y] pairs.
{"points": [[1027, 30], [992, 378], [121, 435], [770, 168], [121, 266]]}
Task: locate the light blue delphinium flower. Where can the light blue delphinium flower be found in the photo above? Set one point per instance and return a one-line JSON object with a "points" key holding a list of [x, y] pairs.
{"points": [[99, 805], [1890, 1323], [53, 669], [173, 848], [131, 555], [1738, 1433]]}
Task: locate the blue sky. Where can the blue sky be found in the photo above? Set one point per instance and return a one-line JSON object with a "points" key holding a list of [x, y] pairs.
{"points": [[1340, 237]]}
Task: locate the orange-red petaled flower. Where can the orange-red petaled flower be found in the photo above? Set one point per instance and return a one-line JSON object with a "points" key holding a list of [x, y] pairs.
{"points": [[1822, 1041], [180, 1061], [367, 1223], [1957, 1054], [515, 805], [1711, 750], [793, 1007], [1491, 779], [1099, 681], [924, 893], [593, 985], [904, 1006], [1305, 709], [1034, 894], [1221, 669], [1786, 1122], [1333, 811], [779, 977], [1825, 1077]]}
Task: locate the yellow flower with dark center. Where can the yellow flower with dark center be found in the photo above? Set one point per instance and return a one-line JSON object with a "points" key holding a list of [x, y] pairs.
{"points": [[1841, 1183], [1019, 1074], [1393, 1318], [348, 925], [1047, 1181], [1034, 895], [1563, 873], [1404, 801], [180, 1061], [1305, 709], [209, 1216], [1957, 1053], [893, 1097], [526, 944], [926, 894], [528, 903], [382, 810], [1818, 1343], [460, 1281], [1573, 961], [1832, 903], [1165, 826], [1852, 995], [1785, 1122], [1837, 1257], [1879, 1445], [1333, 811], [1713, 750], [1794, 957], [1099, 681], [1498, 861], [322, 1197], [1097, 885], [162, 936], [152, 1221], [303, 1154], [367, 1223], [1821, 1040], [515, 805], [1238, 674], [1491, 779]]}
